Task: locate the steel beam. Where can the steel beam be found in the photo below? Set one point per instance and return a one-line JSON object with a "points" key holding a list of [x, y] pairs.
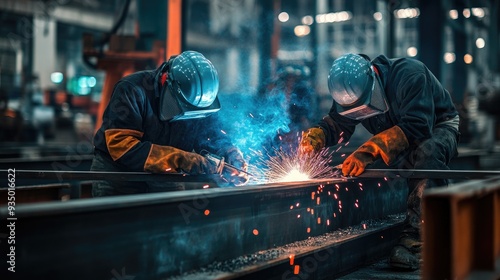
{"points": [[145, 176], [429, 174], [106, 175], [461, 231], [154, 236]]}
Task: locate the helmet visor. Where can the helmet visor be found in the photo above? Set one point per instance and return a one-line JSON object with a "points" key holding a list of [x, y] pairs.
{"points": [[374, 103]]}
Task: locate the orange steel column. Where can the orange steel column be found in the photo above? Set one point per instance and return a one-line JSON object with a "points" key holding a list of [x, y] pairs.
{"points": [[174, 28], [461, 231]]}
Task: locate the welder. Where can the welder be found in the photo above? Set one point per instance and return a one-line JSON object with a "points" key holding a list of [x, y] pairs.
{"points": [[159, 121], [414, 125]]}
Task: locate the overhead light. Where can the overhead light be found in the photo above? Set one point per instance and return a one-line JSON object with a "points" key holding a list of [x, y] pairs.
{"points": [[480, 43], [453, 14], [478, 12], [302, 30], [468, 59], [407, 13], [283, 17], [466, 13], [334, 17], [412, 51], [307, 20], [449, 57]]}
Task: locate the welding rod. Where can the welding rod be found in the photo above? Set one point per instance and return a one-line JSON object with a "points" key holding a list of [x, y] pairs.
{"points": [[429, 174]]}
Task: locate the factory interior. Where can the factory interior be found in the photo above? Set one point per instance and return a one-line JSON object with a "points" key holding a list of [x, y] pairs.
{"points": [[61, 68]]}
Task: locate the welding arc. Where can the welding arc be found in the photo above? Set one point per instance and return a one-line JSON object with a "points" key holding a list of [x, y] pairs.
{"points": [[429, 174]]}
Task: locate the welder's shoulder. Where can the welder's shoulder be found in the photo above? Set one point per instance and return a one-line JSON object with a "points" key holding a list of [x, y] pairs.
{"points": [[140, 78], [135, 84]]}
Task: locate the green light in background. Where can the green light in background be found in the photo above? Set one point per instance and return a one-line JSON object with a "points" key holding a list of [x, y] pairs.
{"points": [[56, 77]]}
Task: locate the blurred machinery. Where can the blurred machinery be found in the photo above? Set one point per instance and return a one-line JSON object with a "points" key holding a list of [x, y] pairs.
{"points": [[122, 56]]}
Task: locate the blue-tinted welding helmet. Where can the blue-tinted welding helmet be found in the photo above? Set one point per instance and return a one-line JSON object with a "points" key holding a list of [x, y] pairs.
{"points": [[191, 88], [355, 88]]}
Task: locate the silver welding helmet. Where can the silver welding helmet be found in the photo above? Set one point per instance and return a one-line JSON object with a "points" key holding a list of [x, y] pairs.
{"points": [[191, 88], [355, 88]]}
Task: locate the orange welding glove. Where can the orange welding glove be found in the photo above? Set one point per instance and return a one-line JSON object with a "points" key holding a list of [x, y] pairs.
{"points": [[387, 145], [313, 140], [162, 159]]}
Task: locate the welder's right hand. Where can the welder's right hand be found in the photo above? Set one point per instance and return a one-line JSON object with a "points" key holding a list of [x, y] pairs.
{"points": [[386, 145], [356, 163], [167, 159], [313, 140]]}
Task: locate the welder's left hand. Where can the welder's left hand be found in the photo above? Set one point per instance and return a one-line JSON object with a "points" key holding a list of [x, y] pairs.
{"points": [[234, 156], [386, 145], [313, 140]]}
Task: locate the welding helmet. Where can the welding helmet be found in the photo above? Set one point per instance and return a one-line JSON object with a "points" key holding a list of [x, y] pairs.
{"points": [[356, 88], [191, 88]]}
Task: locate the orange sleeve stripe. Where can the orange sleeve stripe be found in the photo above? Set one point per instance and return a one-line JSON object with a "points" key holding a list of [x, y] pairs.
{"points": [[120, 141]]}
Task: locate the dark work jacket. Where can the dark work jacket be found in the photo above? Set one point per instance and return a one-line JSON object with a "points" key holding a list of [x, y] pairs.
{"points": [[417, 102], [134, 106]]}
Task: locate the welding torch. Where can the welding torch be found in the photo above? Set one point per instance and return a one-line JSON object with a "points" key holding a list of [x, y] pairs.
{"points": [[229, 172]]}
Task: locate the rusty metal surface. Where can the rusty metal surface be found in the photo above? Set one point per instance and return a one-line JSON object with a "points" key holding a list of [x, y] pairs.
{"points": [[104, 175], [461, 231], [164, 234], [323, 257], [75, 177], [428, 173]]}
